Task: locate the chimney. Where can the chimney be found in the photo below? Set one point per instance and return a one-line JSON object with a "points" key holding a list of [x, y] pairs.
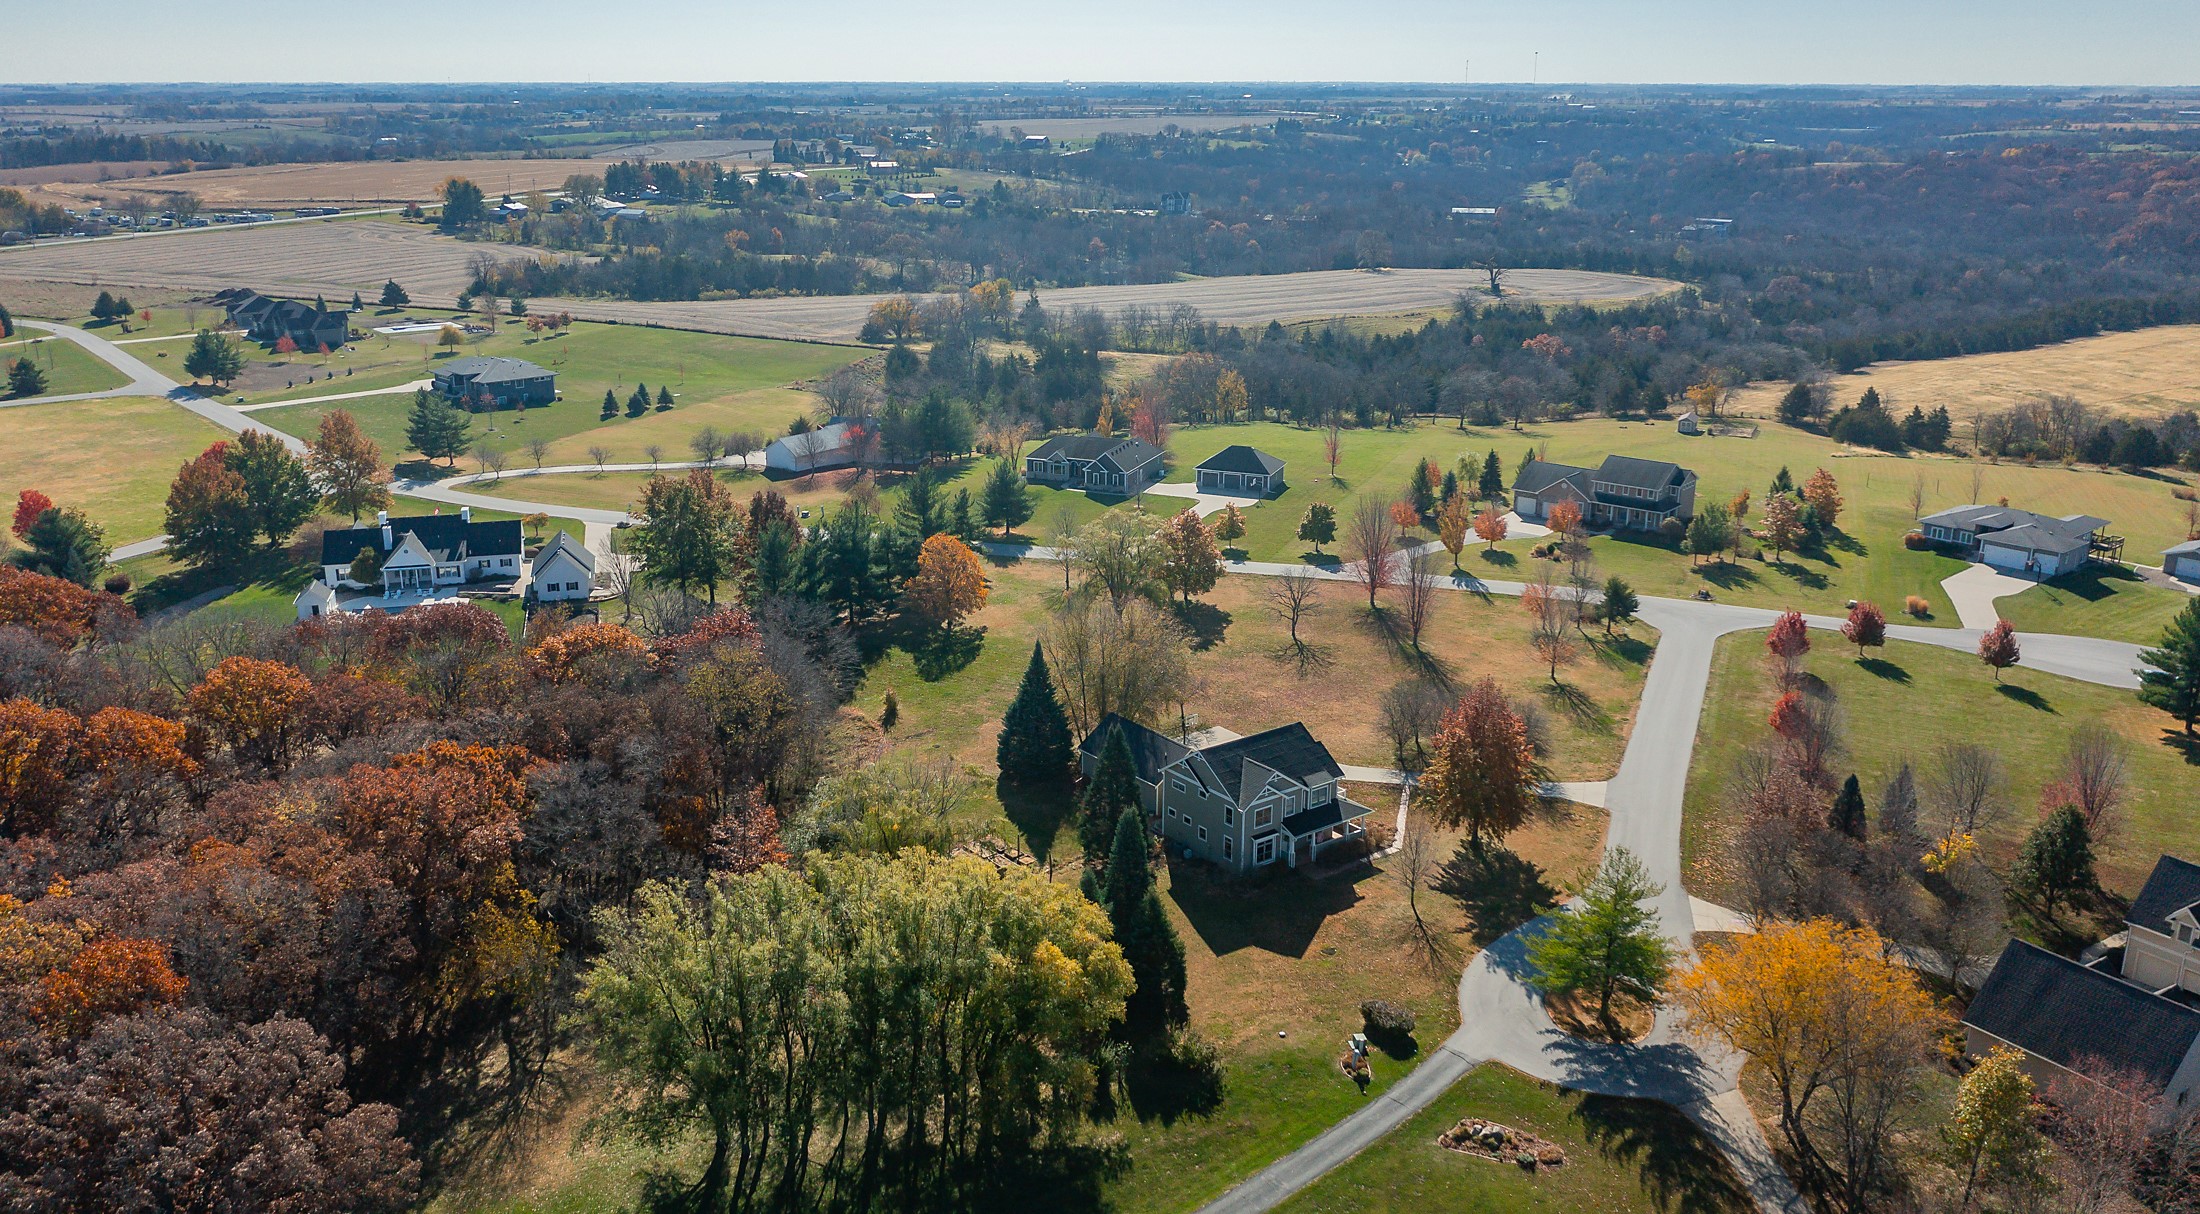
{"points": [[383, 517], [466, 514]]}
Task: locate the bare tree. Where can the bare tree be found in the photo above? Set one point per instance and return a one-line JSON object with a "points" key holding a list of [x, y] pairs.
{"points": [[656, 454], [492, 459], [846, 393], [1496, 272], [1917, 496], [1959, 921], [1581, 580], [1978, 480], [1062, 537], [1292, 597], [537, 448], [2095, 770], [1416, 863], [1416, 598], [1550, 617], [1412, 711], [2101, 1119], [615, 569], [598, 454], [706, 444], [1965, 784], [1372, 546], [1132, 660], [743, 443]]}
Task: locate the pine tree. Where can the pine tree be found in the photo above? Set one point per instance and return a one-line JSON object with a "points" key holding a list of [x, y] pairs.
{"points": [[435, 429], [1007, 504], [664, 397], [2056, 863], [215, 357], [357, 304], [1620, 604], [1847, 814], [7, 323], [25, 379], [1782, 482], [1143, 931], [2172, 680], [1492, 486], [63, 543], [1608, 943], [393, 296], [610, 404], [1035, 743], [1898, 806], [1114, 789], [103, 308], [1130, 862], [638, 403]]}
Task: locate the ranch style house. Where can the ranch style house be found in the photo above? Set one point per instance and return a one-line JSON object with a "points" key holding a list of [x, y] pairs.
{"points": [[1242, 803], [502, 383], [269, 320], [1240, 470], [2135, 1007], [1623, 492], [2021, 542], [1096, 463]]}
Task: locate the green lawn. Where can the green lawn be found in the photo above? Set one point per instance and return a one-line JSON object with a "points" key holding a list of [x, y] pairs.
{"points": [[1902, 703], [69, 367], [1622, 1156], [111, 458], [2098, 601], [733, 383]]}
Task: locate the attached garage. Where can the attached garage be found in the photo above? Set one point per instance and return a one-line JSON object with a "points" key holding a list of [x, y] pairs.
{"points": [[2183, 561], [1527, 505], [2034, 552]]}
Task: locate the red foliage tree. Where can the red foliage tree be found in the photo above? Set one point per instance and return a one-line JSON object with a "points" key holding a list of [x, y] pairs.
{"points": [[1789, 715], [59, 611], [1788, 641], [1866, 627], [29, 504], [1998, 648]]}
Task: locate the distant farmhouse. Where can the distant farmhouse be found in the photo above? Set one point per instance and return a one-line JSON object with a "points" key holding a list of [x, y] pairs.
{"points": [[1622, 492], [269, 320], [2136, 1009], [1239, 469], [1241, 803], [818, 449], [1176, 202], [2021, 542], [1096, 463], [503, 383]]}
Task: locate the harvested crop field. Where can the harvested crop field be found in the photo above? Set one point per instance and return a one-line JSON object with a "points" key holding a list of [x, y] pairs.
{"points": [[332, 258], [1247, 300], [1123, 124], [385, 181], [2143, 373]]}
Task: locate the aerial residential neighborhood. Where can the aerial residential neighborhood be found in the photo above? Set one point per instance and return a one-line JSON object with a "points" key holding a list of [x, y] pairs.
{"points": [[1475, 634]]}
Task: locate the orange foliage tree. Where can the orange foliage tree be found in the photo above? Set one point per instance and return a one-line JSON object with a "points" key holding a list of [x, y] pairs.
{"points": [[256, 708], [1451, 527], [135, 763], [1824, 495], [1563, 518], [37, 746], [1482, 773], [949, 582], [59, 611], [1490, 526], [570, 653], [111, 977]]}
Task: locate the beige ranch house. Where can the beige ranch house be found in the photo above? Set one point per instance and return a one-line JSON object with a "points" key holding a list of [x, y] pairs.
{"points": [[1623, 492], [1241, 803]]}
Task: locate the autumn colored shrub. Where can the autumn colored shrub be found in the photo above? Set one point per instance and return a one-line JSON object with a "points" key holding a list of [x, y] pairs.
{"points": [[1917, 605], [567, 654]]}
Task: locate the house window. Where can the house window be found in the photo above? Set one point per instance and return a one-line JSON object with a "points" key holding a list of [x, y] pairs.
{"points": [[505, 562], [1177, 783], [2184, 934], [1203, 834], [1263, 815], [1229, 816], [1264, 850], [1225, 847]]}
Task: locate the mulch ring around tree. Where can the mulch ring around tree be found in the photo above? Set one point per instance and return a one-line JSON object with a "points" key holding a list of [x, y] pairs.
{"points": [[1503, 1144]]}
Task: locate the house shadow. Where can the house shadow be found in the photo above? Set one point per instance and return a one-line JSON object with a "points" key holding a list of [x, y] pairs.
{"points": [[1496, 888], [2025, 696], [1037, 811], [1276, 912], [1204, 623], [1680, 1167], [1881, 668], [2090, 584]]}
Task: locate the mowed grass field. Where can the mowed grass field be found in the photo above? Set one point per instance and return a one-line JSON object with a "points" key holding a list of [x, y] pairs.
{"points": [[1622, 1157], [731, 383], [111, 458], [69, 367], [2143, 373], [1902, 707]]}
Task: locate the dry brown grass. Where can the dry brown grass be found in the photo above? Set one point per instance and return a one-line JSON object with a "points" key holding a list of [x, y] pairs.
{"points": [[1576, 1013], [373, 181], [2144, 373]]}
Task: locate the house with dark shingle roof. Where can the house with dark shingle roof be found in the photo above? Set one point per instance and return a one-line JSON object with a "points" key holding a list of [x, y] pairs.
{"points": [[2138, 1010], [1623, 492], [1096, 463], [2182, 561], [2022, 542], [502, 382], [1239, 802], [267, 319], [422, 552], [1240, 470]]}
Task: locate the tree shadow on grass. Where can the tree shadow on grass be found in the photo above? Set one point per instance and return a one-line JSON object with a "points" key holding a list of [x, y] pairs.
{"points": [[1679, 1166], [2184, 744], [1278, 912], [1204, 624], [1389, 628], [1847, 543], [1727, 576], [1576, 704], [946, 651], [1801, 575], [1074, 1177], [1621, 650], [1882, 668], [1498, 557], [1322, 560], [1496, 887], [2025, 696], [1037, 811]]}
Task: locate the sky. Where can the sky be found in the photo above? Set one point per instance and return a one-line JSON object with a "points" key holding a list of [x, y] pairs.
{"points": [[1959, 42]]}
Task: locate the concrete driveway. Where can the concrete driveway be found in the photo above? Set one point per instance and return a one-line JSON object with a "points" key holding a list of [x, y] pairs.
{"points": [[1974, 589], [1204, 503]]}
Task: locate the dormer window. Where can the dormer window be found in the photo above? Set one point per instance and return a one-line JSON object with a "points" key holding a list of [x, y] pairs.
{"points": [[2184, 933]]}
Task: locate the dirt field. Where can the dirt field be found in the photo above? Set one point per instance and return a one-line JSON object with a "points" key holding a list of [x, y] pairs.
{"points": [[1246, 300], [2146, 373], [390, 181], [333, 258], [746, 150]]}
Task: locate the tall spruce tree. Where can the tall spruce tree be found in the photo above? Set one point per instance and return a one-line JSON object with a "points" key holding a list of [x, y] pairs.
{"points": [[1114, 788], [1142, 928], [436, 429], [1130, 863], [2055, 864], [2172, 683], [1492, 484], [1847, 814], [1035, 746]]}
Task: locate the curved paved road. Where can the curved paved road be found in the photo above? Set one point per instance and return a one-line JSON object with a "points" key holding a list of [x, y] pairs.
{"points": [[145, 381]]}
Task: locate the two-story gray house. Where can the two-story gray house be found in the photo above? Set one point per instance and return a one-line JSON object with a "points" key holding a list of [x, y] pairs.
{"points": [[1240, 803], [1623, 492]]}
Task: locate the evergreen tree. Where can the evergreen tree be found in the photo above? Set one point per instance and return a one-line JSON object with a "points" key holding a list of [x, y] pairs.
{"points": [[1847, 814], [1035, 743], [25, 379], [357, 304], [436, 429], [664, 397], [1898, 807], [1798, 405], [1619, 605], [1781, 483], [1419, 493], [7, 323], [1609, 941], [2056, 863], [1007, 502], [2172, 680], [215, 357], [610, 404], [103, 308], [1129, 876], [63, 543], [1492, 486], [919, 511], [773, 562], [1143, 931], [962, 516], [1114, 789], [638, 403], [394, 296]]}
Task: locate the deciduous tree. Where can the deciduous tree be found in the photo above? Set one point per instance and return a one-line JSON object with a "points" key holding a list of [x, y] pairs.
{"points": [[29, 504], [949, 582], [277, 487], [1372, 547], [1782, 525], [1990, 1134], [254, 707], [1319, 526], [1490, 526], [1998, 648], [1191, 560], [1866, 628], [209, 518], [689, 533], [1609, 941], [1824, 495], [1788, 643], [347, 467], [1483, 774]]}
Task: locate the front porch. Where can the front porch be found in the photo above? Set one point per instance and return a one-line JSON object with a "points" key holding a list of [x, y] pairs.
{"points": [[1317, 828]]}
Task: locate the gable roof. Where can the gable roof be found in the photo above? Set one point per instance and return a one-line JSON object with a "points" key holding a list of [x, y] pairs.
{"points": [[1640, 473], [1288, 749], [1078, 448], [816, 441], [2061, 1011], [1237, 457], [1990, 519], [446, 536], [563, 542], [1541, 474], [2031, 537], [2185, 549], [2171, 887], [1150, 751], [1129, 454], [492, 369]]}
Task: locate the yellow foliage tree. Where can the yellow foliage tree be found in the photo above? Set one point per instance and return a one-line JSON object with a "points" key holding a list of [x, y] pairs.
{"points": [[949, 584], [1231, 401], [1451, 526]]}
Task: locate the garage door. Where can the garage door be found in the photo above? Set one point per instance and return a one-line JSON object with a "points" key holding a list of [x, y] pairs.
{"points": [[1527, 506], [2003, 558]]}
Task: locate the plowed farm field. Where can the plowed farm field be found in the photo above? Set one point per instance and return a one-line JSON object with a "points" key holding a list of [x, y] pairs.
{"points": [[276, 185], [333, 259]]}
